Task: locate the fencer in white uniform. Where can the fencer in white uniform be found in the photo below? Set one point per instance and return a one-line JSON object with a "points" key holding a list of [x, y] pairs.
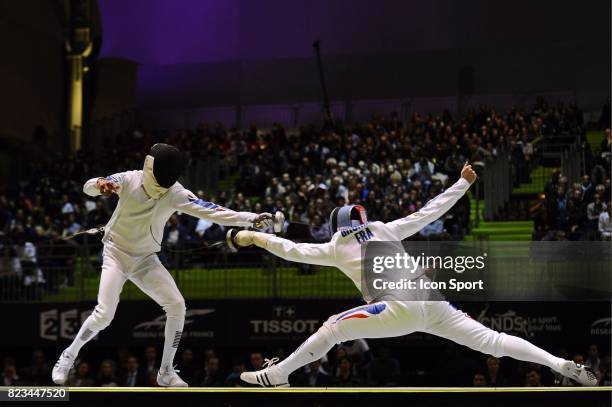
{"points": [[131, 240], [389, 317]]}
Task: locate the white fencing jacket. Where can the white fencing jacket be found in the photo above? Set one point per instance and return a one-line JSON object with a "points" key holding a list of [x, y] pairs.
{"points": [[344, 249], [137, 224]]}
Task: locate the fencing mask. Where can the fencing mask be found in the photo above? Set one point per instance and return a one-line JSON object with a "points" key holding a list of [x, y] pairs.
{"points": [[162, 168], [343, 217]]}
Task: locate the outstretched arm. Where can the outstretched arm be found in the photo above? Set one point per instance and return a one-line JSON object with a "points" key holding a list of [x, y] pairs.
{"points": [[435, 208], [321, 254], [188, 203]]}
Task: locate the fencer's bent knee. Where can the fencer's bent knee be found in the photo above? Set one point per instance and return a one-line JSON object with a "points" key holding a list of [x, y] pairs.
{"points": [[102, 315], [492, 344], [176, 308], [328, 330]]}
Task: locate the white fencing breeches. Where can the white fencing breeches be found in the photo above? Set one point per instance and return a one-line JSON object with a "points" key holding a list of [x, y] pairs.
{"points": [[397, 318], [148, 274]]}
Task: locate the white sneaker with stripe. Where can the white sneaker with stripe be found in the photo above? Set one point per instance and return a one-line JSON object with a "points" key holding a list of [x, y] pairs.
{"points": [[268, 377]]}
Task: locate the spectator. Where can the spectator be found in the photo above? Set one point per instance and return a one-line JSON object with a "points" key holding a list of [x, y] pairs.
{"points": [[605, 223], [188, 368], [605, 370], [106, 374], [494, 376], [344, 376], [358, 351], [212, 374], [151, 363], [479, 380], [10, 264], [38, 373], [67, 207], [592, 359], [10, 376], [81, 377], [312, 375], [133, 376], [594, 209], [320, 231], [256, 360], [532, 379], [384, 370], [233, 379]]}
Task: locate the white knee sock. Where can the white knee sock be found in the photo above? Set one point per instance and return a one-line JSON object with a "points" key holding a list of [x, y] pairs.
{"points": [[313, 349], [521, 349], [86, 333], [173, 332]]}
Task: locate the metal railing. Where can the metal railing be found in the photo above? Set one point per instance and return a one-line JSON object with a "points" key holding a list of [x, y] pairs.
{"points": [[200, 273], [508, 173], [497, 182]]}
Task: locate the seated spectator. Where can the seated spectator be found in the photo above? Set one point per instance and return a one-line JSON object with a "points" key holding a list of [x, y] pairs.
{"points": [[593, 361], [320, 231], [133, 376], [605, 371], [38, 373], [532, 378], [605, 223], [494, 377], [358, 351], [479, 380], [211, 377], [384, 370], [10, 376], [233, 379], [188, 368], [27, 253], [81, 377], [67, 206], [594, 209], [256, 360], [106, 374], [311, 375], [344, 376], [10, 264], [151, 363]]}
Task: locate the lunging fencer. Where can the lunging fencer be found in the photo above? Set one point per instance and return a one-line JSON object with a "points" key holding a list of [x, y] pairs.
{"points": [[132, 237], [389, 317]]}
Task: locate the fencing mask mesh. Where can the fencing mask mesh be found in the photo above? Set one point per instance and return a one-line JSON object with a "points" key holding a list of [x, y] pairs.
{"points": [[343, 217]]}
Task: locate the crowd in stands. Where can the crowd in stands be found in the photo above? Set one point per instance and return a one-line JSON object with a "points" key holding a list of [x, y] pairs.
{"points": [[391, 166], [580, 210], [350, 364]]}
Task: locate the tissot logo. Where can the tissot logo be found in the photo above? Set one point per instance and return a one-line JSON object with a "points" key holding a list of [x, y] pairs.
{"points": [[283, 326], [283, 311], [283, 322]]}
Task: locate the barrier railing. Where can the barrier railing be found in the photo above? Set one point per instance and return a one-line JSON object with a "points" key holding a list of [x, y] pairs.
{"points": [[200, 273]]}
